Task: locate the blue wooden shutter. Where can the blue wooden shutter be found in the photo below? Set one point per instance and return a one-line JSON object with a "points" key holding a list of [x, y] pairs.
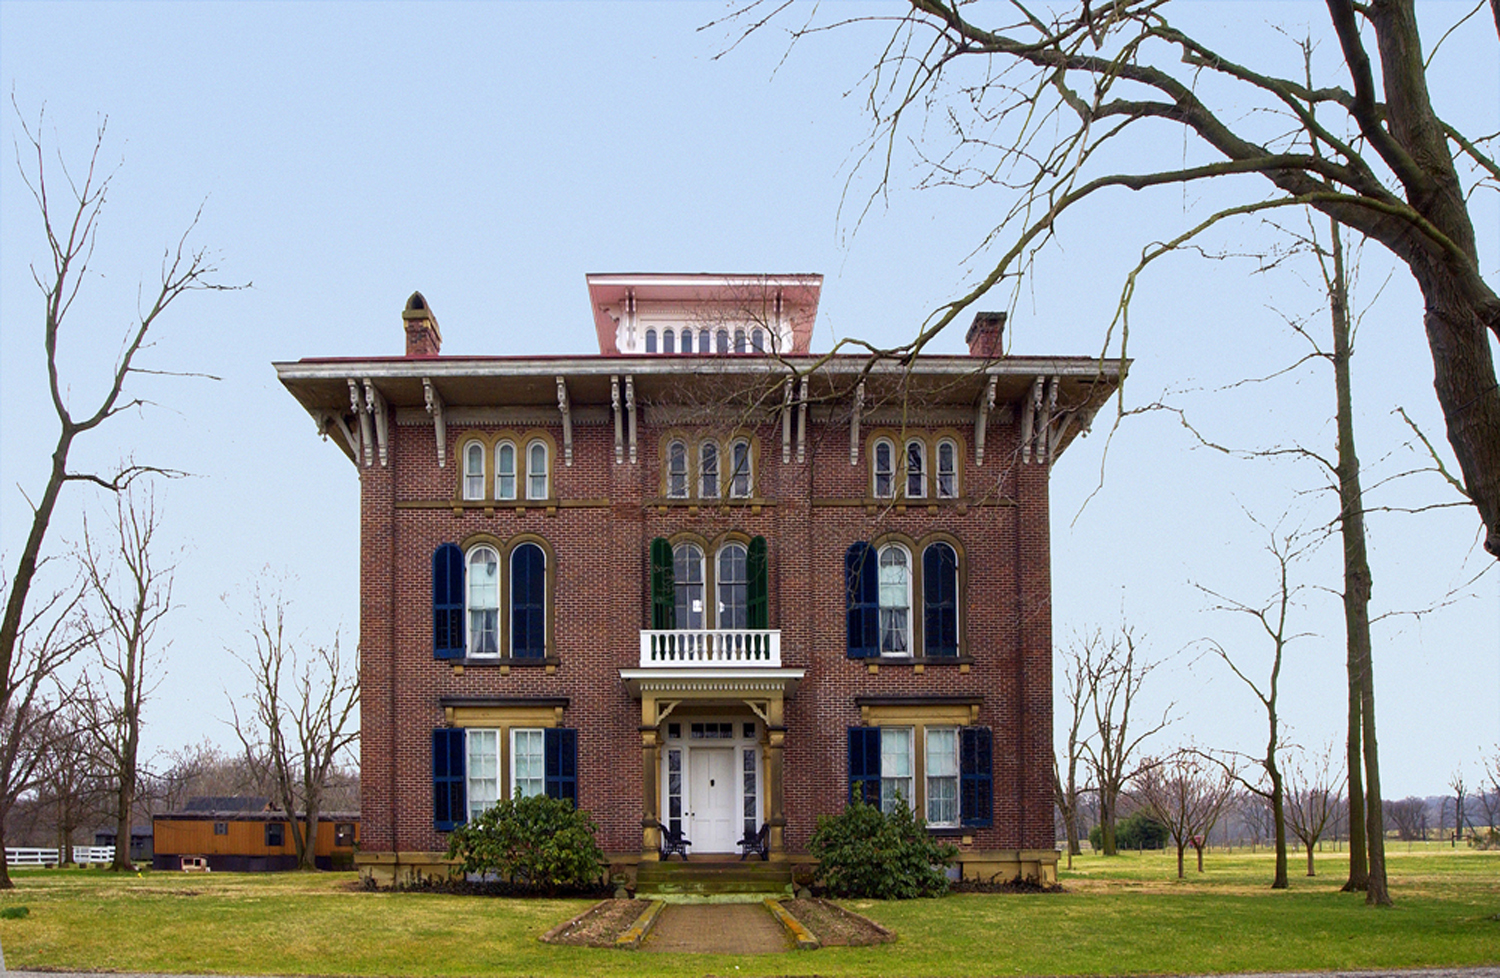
{"points": [[758, 592], [663, 586], [940, 600], [528, 602], [448, 602], [862, 596], [449, 802], [864, 765], [976, 785], [560, 749]]}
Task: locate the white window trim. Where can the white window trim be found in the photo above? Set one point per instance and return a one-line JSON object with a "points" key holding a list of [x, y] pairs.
{"points": [[473, 482], [908, 795], [515, 753], [469, 604], [514, 469], [702, 583], [910, 610], [928, 778], [546, 474], [920, 475], [876, 472], [470, 744], [720, 583]]}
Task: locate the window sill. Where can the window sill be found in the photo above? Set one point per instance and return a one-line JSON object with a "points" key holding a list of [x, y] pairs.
{"points": [[504, 662], [919, 660]]}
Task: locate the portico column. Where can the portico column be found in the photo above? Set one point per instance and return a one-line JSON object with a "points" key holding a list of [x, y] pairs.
{"points": [[775, 745], [650, 765]]}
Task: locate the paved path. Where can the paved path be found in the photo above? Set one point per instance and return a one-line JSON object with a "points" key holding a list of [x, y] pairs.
{"points": [[720, 928]]}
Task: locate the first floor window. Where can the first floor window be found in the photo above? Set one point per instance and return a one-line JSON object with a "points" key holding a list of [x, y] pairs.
{"points": [[343, 834], [483, 783], [895, 769], [942, 776], [468, 770], [275, 835], [221, 828], [526, 758], [957, 784]]}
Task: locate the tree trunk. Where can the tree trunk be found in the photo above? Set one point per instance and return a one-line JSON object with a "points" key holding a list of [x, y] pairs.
{"points": [[1107, 821], [1310, 871], [5, 881], [1278, 812], [1181, 847], [124, 809]]}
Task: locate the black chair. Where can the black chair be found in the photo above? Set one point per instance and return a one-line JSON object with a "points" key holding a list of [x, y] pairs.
{"points": [[756, 842], [672, 841]]}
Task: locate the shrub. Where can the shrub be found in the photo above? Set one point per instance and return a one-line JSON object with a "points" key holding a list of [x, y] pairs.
{"points": [[867, 853], [537, 843], [1139, 831]]}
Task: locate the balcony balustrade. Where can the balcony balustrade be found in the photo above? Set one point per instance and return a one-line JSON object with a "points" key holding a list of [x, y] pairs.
{"points": [[716, 648]]}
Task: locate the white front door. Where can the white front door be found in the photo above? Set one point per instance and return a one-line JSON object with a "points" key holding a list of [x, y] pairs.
{"points": [[710, 801]]}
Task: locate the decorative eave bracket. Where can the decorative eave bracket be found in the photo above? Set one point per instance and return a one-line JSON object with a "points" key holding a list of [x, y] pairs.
{"points": [[982, 420], [802, 422], [614, 404], [786, 422], [375, 401], [632, 411], [439, 425], [565, 407], [859, 407]]}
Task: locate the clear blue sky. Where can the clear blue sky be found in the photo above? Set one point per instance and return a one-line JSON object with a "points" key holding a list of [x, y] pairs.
{"points": [[491, 154]]}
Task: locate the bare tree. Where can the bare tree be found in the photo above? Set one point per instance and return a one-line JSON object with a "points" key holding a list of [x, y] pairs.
{"points": [[1409, 816], [1460, 796], [70, 230], [1185, 792], [70, 789], [1314, 798], [133, 594], [1065, 788], [1114, 676], [1039, 105], [302, 719], [1271, 618]]}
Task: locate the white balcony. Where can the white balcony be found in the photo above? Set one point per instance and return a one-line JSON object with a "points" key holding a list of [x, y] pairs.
{"points": [[730, 648]]}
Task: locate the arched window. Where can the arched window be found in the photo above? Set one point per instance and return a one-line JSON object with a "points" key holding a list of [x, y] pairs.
{"points": [[668, 342], [916, 469], [705, 341], [505, 470], [884, 462], [741, 482], [758, 340], [723, 340], [677, 469], [939, 600], [739, 341], [687, 581], [650, 341], [947, 469], [528, 602], [708, 470], [536, 470], [895, 600], [484, 601], [733, 587], [473, 470]]}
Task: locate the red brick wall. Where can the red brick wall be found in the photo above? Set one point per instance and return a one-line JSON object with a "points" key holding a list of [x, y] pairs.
{"points": [[601, 599]]}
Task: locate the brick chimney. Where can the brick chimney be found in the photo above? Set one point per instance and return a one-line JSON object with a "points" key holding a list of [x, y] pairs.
{"points": [[984, 334], [422, 336]]}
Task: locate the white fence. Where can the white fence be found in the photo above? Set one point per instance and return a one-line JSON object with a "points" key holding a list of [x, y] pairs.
{"points": [[48, 857]]}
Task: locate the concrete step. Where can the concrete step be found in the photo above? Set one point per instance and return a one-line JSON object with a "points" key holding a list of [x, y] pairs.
{"points": [[703, 878]]}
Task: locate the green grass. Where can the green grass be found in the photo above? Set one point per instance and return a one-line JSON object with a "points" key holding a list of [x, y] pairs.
{"points": [[1119, 916]]}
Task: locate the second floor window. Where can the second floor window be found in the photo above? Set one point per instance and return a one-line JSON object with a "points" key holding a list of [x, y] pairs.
{"points": [[687, 571], [895, 601], [681, 582], [484, 602], [733, 587], [884, 463]]}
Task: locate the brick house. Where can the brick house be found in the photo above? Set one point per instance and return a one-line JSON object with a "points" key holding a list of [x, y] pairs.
{"points": [[707, 580]]}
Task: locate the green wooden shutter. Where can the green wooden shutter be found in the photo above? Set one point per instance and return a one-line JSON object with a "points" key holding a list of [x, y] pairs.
{"points": [[663, 586], [759, 592]]}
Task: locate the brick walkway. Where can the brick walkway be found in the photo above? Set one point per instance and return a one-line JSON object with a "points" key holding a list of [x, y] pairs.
{"points": [[716, 928]]}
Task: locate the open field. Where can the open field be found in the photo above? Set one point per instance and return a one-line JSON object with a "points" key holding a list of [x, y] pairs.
{"points": [[1120, 916]]}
